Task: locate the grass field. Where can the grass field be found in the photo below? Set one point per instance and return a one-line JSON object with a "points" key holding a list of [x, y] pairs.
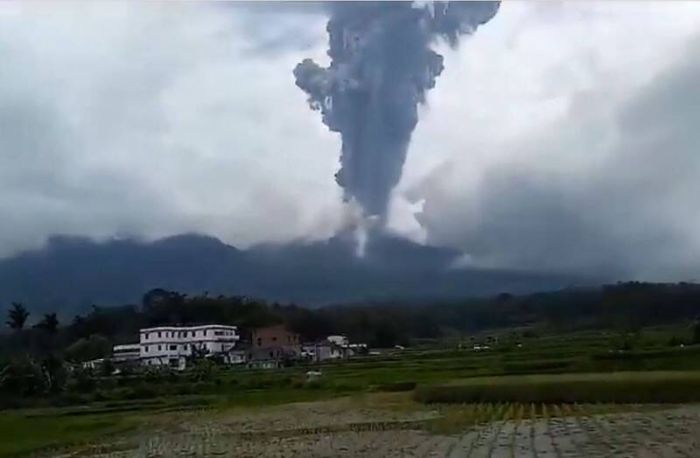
{"points": [[618, 387], [22, 433], [438, 390]]}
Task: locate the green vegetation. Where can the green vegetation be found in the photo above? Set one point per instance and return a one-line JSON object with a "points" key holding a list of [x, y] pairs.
{"points": [[507, 357], [30, 382], [24, 433], [624, 307], [92, 405], [621, 387]]}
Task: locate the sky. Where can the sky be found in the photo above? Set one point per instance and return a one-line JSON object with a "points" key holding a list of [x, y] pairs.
{"points": [[561, 136]]}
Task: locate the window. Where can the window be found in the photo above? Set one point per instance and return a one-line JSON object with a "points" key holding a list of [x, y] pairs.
{"points": [[145, 349], [158, 333], [218, 333], [173, 347], [159, 348], [274, 338], [259, 342]]}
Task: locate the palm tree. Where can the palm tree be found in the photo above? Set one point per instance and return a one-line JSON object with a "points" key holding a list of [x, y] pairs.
{"points": [[17, 316], [49, 323]]}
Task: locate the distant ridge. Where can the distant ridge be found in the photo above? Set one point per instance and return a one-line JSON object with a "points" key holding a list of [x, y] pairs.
{"points": [[71, 273]]}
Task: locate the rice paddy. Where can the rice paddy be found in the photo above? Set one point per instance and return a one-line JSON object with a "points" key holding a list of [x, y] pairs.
{"points": [[342, 428], [554, 396]]}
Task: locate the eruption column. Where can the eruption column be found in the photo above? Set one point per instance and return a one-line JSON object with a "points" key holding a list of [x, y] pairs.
{"points": [[381, 67]]}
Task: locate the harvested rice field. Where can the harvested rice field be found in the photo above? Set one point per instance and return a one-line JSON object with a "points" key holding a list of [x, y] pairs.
{"points": [[391, 426]]}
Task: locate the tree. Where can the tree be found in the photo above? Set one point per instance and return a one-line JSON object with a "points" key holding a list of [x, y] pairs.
{"points": [[55, 373], [49, 323], [22, 377], [94, 347], [17, 316], [696, 332]]}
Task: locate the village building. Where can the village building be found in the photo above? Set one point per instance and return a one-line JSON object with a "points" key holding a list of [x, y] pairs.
{"points": [[126, 356], [340, 341], [330, 348], [173, 345], [273, 346], [322, 351]]}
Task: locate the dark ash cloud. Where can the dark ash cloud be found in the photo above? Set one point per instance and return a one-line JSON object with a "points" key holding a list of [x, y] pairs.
{"points": [[382, 65]]}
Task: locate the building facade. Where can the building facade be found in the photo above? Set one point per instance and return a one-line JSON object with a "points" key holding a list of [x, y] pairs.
{"points": [[276, 337], [341, 341], [273, 346], [332, 347], [172, 345], [129, 354]]}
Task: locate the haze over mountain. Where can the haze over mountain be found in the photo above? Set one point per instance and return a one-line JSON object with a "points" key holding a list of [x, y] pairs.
{"points": [[72, 273]]}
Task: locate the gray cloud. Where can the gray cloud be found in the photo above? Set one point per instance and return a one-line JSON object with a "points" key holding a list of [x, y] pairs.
{"points": [[143, 120], [559, 137], [633, 213]]}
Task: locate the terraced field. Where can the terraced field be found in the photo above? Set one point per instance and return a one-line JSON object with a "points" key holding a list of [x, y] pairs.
{"points": [[382, 429]]}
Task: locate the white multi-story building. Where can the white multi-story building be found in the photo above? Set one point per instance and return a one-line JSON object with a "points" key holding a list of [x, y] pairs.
{"points": [[171, 345]]}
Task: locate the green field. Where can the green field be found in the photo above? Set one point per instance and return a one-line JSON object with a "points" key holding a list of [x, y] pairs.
{"points": [[617, 387], [512, 379]]}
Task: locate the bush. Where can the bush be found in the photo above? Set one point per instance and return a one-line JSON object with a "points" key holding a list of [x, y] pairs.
{"points": [[23, 377], [313, 385], [94, 347], [82, 380], [141, 391], [185, 388]]}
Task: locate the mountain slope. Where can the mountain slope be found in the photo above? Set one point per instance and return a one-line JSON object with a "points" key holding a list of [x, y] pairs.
{"points": [[71, 273]]}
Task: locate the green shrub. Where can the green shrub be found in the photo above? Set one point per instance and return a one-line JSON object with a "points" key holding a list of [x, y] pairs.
{"points": [[313, 385], [23, 377], [185, 388], [523, 367], [141, 391]]}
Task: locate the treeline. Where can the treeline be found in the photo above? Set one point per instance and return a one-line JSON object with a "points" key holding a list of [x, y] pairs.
{"points": [[91, 335]]}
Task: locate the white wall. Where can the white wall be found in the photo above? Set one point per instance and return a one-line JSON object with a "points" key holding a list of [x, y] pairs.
{"points": [[162, 344]]}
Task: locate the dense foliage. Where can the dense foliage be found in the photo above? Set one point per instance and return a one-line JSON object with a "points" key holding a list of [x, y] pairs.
{"points": [[626, 306]]}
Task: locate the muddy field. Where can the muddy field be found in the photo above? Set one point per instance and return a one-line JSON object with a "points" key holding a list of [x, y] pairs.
{"points": [[340, 428]]}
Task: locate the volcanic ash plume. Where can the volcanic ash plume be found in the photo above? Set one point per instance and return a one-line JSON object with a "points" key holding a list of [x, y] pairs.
{"points": [[381, 67]]}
